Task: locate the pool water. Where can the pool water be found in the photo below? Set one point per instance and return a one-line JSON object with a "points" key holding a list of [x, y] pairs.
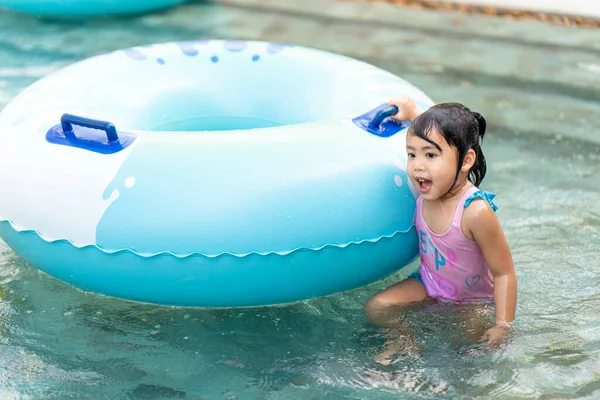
{"points": [[59, 342]]}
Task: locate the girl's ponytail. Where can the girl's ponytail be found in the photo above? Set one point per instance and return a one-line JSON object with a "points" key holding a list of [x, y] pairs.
{"points": [[480, 167], [481, 123]]}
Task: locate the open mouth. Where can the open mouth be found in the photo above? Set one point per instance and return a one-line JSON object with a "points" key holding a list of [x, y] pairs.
{"points": [[424, 185]]}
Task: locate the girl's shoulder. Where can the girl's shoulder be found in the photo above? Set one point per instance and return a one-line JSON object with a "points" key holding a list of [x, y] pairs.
{"points": [[479, 212]]}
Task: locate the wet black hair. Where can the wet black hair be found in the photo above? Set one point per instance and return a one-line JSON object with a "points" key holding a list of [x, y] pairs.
{"points": [[462, 129]]}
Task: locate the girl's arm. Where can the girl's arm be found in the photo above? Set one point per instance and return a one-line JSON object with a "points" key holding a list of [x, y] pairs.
{"points": [[482, 223]]}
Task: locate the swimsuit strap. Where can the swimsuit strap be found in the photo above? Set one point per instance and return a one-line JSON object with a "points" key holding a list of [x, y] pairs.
{"points": [[483, 195]]}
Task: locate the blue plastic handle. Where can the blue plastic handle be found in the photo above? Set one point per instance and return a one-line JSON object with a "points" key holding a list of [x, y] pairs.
{"points": [[381, 115], [68, 120], [377, 121]]}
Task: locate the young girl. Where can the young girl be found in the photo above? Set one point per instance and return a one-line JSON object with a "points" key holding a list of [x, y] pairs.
{"points": [[464, 255]]}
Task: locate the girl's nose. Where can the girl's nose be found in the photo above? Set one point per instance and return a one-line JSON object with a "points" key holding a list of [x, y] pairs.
{"points": [[418, 165]]}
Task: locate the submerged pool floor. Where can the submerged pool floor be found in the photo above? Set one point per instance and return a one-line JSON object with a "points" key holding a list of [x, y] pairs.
{"points": [[539, 87]]}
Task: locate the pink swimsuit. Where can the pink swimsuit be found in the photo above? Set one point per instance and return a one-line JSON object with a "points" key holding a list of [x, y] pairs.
{"points": [[452, 266]]}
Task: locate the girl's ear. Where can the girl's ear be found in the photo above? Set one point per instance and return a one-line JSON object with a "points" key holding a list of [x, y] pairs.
{"points": [[468, 161]]}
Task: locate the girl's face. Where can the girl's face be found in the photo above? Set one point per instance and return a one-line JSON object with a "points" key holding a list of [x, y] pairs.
{"points": [[431, 166]]}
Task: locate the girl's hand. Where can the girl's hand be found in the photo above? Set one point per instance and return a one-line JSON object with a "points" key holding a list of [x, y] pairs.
{"points": [[496, 336], [407, 110]]}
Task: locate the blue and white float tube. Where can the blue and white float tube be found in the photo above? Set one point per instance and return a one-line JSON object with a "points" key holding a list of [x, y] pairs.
{"points": [[221, 174], [87, 8]]}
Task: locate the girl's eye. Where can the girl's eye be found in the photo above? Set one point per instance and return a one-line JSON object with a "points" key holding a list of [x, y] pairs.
{"points": [[411, 155], [430, 155]]}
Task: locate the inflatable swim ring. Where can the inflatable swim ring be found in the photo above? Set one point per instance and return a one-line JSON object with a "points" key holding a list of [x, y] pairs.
{"points": [[209, 174], [87, 8]]}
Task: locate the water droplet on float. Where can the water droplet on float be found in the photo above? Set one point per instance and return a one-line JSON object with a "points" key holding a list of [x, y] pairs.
{"points": [[130, 182], [398, 180], [188, 48]]}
